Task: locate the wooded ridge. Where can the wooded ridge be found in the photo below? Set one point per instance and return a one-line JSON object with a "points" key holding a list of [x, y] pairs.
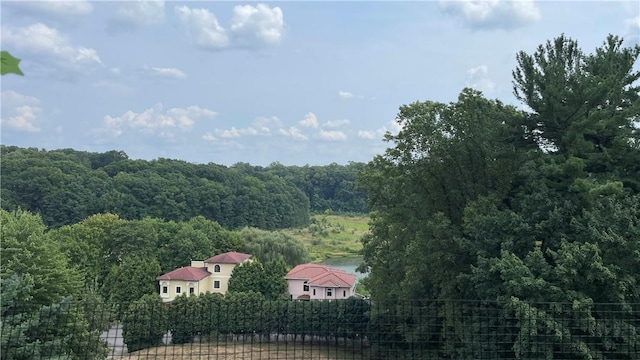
{"points": [[67, 186]]}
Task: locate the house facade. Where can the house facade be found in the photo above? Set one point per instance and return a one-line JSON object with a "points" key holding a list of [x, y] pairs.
{"points": [[319, 282], [211, 275]]}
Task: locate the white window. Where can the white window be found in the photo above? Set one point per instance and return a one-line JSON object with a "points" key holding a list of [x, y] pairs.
{"points": [[305, 287], [216, 268], [344, 293], [192, 291], [178, 290], [329, 292], [216, 284], [165, 289]]}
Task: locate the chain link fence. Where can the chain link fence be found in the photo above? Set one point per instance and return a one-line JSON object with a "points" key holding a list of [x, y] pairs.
{"points": [[212, 327]]}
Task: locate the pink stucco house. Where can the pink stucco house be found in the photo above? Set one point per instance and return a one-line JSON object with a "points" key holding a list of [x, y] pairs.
{"points": [[319, 282]]}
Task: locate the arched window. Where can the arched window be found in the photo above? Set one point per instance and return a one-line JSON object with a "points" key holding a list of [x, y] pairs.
{"points": [[216, 268]]}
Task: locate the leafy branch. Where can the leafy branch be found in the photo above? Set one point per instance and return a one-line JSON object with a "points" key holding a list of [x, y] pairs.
{"points": [[9, 64]]}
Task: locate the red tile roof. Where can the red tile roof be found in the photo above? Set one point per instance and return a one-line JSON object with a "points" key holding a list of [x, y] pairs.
{"points": [[320, 275], [228, 258], [187, 273]]}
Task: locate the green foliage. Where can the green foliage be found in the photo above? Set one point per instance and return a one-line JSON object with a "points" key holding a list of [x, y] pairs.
{"points": [[267, 280], [58, 330], [248, 276], [38, 317], [330, 236], [213, 317], [130, 280], [67, 186], [145, 323], [9, 64], [42, 267], [537, 213], [270, 245]]}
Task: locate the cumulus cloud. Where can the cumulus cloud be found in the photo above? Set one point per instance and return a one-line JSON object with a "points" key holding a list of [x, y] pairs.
{"points": [[261, 126], [392, 127], [203, 27], [51, 51], [132, 14], [310, 120], [332, 135], [23, 114], [492, 14], [478, 78], [336, 123], [251, 27], [265, 124], [156, 121], [257, 25], [367, 134], [294, 133], [345, 95]]}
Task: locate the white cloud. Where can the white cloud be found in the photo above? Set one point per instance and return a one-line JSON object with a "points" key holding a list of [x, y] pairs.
{"points": [[54, 8], [336, 123], [345, 95], [367, 134], [266, 123], [51, 50], [156, 121], [393, 128], [132, 14], [478, 78], [310, 120], [332, 135], [236, 133], [294, 133], [25, 113], [168, 72], [203, 27], [251, 27], [492, 14], [257, 25]]}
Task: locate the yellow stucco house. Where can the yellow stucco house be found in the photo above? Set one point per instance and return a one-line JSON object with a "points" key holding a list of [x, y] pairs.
{"points": [[210, 275]]}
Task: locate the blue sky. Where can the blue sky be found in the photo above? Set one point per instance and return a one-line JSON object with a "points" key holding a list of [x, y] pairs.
{"points": [[296, 82]]}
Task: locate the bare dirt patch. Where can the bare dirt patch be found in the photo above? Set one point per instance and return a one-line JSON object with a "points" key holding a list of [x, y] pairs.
{"points": [[224, 351]]}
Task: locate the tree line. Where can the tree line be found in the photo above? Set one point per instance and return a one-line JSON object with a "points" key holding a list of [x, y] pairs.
{"points": [[479, 200], [66, 186], [213, 317]]}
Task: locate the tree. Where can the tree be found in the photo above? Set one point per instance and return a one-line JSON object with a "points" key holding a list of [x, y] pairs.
{"points": [[275, 285], [271, 245], [534, 214], [145, 323], [130, 280], [583, 105], [248, 276], [39, 316], [44, 271]]}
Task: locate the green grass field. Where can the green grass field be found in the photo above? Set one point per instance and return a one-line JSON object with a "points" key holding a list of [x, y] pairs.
{"points": [[330, 236]]}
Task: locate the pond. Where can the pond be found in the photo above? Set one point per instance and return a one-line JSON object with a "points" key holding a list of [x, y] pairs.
{"points": [[348, 264]]}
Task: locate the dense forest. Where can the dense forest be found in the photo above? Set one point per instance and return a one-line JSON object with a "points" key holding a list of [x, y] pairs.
{"points": [[478, 200], [66, 186]]}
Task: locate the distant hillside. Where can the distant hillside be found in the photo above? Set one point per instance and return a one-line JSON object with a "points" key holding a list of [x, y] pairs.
{"points": [[66, 186]]}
